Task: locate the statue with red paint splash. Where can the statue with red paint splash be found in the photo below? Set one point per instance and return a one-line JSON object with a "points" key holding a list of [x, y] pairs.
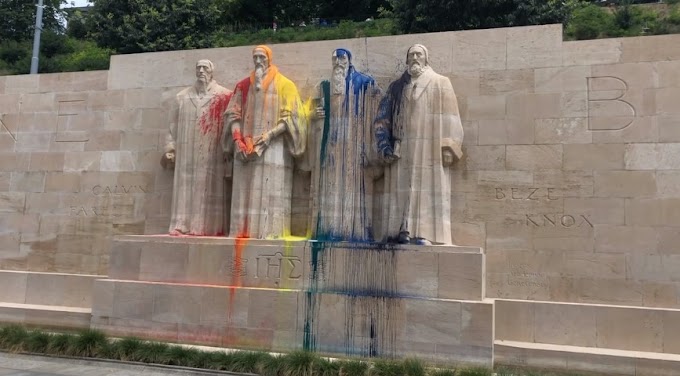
{"points": [[193, 150], [265, 130]]}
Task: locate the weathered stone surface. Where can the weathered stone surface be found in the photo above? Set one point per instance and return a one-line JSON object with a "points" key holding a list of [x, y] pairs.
{"points": [[569, 182], [534, 157]]}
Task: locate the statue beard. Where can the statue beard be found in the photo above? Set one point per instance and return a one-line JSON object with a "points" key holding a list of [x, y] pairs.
{"points": [[415, 69], [202, 84], [338, 80], [259, 76]]}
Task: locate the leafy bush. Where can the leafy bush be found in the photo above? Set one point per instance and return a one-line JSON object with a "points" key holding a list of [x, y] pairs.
{"points": [[674, 15], [346, 29], [88, 343], [58, 53], [59, 344], [13, 337], [353, 368], [152, 352], [87, 57], [474, 372], [589, 22], [386, 368], [37, 342], [450, 372]]}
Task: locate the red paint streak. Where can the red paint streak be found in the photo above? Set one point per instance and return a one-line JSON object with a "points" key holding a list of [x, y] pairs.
{"points": [[244, 85], [244, 144], [240, 244], [211, 120]]}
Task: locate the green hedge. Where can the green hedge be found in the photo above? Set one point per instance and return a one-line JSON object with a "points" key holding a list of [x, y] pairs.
{"points": [[95, 344]]}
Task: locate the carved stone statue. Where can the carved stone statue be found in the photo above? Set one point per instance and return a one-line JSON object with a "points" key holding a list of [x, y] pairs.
{"points": [[419, 135], [341, 181], [265, 128], [193, 150]]}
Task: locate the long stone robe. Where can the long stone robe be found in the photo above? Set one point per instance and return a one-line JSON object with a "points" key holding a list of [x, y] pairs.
{"points": [[198, 193], [342, 180], [424, 116], [262, 187]]}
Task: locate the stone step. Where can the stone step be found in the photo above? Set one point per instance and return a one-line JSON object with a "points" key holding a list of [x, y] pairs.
{"points": [[47, 289], [277, 319], [585, 359], [446, 272], [628, 328], [45, 316]]}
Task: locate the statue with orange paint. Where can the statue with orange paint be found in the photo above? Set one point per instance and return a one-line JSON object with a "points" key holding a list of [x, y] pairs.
{"points": [[193, 150], [265, 129]]}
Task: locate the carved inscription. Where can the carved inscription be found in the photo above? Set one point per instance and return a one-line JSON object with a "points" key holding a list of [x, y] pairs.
{"points": [[97, 211], [558, 220], [236, 268], [2, 124], [522, 276], [272, 266], [68, 109], [99, 190], [529, 194], [607, 110]]}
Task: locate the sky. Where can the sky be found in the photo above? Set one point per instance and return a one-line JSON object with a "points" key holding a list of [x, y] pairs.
{"points": [[78, 3]]}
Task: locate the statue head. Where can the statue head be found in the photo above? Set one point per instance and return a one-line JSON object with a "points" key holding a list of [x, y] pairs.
{"points": [[204, 71], [262, 57], [342, 63], [417, 59], [342, 58]]}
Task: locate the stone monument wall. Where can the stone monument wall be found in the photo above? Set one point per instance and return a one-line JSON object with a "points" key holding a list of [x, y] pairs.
{"points": [[569, 181]]}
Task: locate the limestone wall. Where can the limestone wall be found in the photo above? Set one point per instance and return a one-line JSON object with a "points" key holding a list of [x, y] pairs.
{"points": [[570, 180]]}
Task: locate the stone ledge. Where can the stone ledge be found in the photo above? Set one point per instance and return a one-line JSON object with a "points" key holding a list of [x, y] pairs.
{"points": [[45, 316], [46, 289], [585, 359], [598, 326]]}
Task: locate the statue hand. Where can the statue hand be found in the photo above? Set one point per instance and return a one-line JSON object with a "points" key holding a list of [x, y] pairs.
{"points": [[264, 139], [168, 160], [240, 145], [262, 143], [320, 113], [242, 150], [390, 158], [447, 157]]}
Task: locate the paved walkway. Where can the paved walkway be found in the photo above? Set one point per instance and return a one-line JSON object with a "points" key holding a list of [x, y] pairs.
{"points": [[28, 365]]}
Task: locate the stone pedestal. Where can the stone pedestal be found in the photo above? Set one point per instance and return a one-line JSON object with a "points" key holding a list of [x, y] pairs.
{"points": [[336, 298]]}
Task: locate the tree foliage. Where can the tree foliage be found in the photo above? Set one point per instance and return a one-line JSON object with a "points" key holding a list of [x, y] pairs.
{"points": [[129, 26], [417, 16], [18, 18]]}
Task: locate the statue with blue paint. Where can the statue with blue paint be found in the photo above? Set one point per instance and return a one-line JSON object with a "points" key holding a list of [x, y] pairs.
{"points": [[341, 134], [418, 135]]}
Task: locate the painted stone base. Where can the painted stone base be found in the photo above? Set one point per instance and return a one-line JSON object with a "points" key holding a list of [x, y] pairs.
{"points": [[273, 295]]}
